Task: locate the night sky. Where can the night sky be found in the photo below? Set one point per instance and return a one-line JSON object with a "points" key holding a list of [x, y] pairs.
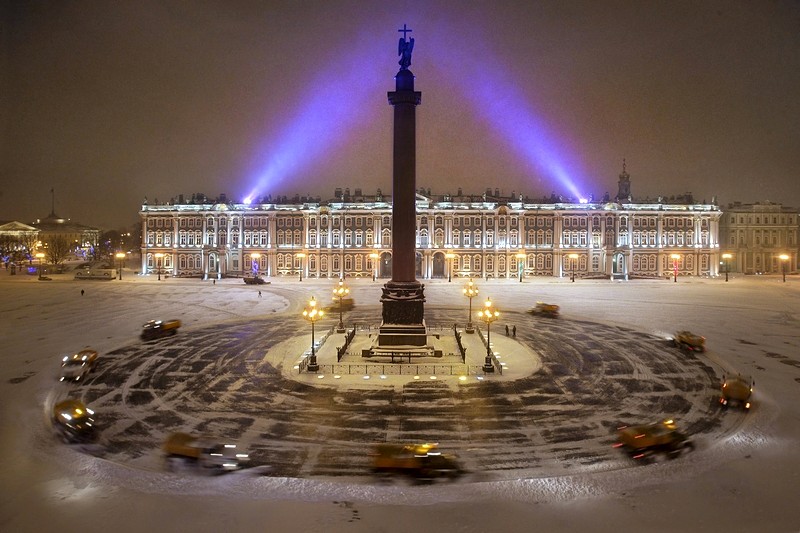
{"points": [[111, 102]]}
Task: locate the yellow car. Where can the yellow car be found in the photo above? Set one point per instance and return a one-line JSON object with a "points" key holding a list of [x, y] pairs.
{"points": [[74, 421], [645, 441], [77, 366], [544, 309], [686, 340], [736, 391]]}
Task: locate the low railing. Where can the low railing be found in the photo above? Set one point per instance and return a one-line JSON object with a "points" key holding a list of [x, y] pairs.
{"points": [[400, 369], [490, 352]]}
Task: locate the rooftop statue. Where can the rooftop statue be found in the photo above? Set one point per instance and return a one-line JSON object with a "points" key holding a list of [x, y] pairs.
{"points": [[404, 49]]}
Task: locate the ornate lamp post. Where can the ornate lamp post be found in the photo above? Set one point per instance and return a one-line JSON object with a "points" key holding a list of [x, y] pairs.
{"points": [[374, 256], [339, 292], [488, 314], [573, 258], [121, 258], [159, 262], [470, 291], [675, 259], [727, 258], [784, 259], [40, 256], [450, 256], [301, 255], [312, 314], [520, 264], [254, 263]]}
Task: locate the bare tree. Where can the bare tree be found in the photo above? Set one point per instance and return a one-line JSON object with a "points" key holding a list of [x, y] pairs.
{"points": [[28, 241], [57, 248]]}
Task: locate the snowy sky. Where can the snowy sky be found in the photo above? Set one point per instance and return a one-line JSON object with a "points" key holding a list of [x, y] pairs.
{"points": [[122, 100]]}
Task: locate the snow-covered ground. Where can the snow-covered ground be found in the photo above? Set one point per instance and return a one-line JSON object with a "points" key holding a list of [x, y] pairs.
{"points": [[747, 482]]}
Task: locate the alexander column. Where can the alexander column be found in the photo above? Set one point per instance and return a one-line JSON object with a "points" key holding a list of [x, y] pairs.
{"points": [[403, 297]]}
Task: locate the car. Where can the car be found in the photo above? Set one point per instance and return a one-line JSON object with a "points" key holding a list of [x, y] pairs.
{"points": [[203, 452], [74, 421], [421, 461], [156, 329], [347, 304], [255, 280], [77, 366], [544, 309], [645, 442], [736, 391], [690, 342]]}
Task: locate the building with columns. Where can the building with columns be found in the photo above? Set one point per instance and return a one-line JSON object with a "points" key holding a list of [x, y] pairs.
{"points": [[458, 236], [757, 236]]}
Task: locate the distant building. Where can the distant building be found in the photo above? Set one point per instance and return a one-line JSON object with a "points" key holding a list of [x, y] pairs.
{"points": [[82, 239], [480, 236], [756, 235], [17, 241]]}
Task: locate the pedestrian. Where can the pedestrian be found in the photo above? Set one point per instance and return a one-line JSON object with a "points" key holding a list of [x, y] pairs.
{"points": [[81, 292], [213, 281], [506, 330], [514, 331], [259, 294]]}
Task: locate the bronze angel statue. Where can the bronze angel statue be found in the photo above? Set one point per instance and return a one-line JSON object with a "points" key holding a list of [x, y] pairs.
{"points": [[404, 49]]}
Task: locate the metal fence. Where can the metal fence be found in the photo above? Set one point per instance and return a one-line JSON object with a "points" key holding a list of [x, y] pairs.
{"points": [[400, 369]]}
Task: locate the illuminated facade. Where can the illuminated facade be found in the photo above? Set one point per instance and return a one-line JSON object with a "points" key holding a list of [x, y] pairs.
{"points": [[757, 235], [479, 236]]}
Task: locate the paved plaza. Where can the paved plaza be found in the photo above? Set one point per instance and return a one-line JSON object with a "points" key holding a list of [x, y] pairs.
{"points": [[566, 386]]}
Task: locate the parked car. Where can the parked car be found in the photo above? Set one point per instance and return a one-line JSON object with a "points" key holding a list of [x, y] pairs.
{"points": [[77, 366], [690, 342], [74, 421], [736, 392], [544, 309], [156, 329], [644, 442]]}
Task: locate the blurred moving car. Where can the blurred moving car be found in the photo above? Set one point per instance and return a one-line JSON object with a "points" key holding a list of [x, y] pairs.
{"points": [[544, 309], [74, 421], [422, 461], [77, 366], [347, 305], [736, 391], [690, 342], [255, 280], [203, 452], [156, 329], [646, 441]]}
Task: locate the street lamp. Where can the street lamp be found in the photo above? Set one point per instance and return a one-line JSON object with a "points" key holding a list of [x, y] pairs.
{"points": [[339, 292], [520, 264], [573, 259], [727, 258], [254, 256], [312, 314], [470, 291], [450, 256], [301, 255], [374, 256], [40, 256], [159, 262], [675, 259], [488, 314], [784, 259], [121, 258]]}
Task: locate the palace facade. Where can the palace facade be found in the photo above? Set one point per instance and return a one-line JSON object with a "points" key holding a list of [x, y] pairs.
{"points": [[458, 236], [760, 238]]}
